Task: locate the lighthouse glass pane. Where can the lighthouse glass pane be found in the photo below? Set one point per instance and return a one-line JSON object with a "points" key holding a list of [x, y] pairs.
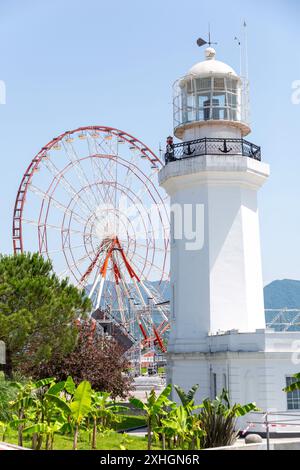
{"points": [[219, 84], [203, 100], [203, 84], [190, 108], [293, 398], [220, 99], [209, 98], [232, 85]]}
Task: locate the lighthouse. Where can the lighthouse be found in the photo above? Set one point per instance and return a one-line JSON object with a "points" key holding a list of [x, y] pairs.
{"points": [[218, 336]]}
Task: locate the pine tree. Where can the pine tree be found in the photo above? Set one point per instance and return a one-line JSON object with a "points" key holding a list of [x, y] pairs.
{"points": [[37, 310]]}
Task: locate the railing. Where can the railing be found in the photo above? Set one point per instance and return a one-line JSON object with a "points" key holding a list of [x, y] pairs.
{"points": [[274, 419], [208, 146]]}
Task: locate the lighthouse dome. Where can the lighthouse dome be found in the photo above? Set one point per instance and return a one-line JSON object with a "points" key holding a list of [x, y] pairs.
{"points": [[211, 97], [211, 66]]}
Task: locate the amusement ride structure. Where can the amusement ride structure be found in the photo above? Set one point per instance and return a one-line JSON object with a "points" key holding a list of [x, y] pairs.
{"points": [[89, 202]]}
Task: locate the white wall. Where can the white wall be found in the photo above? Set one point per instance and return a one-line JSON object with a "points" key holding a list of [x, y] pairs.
{"points": [[255, 365], [217, 287]]}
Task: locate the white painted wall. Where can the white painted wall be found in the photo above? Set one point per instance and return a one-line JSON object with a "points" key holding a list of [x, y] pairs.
{"points": [[211, 130], [217, 287], [255, 366]]}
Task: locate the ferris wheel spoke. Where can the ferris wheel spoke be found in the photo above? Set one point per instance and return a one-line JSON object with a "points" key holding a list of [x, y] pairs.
{"points": [[53, 252], [51, 226], [60, 178], [150, 247], [76, 264], [56, 203], [96, 171], [83, 179], [103, 182], [143, 261], [156, 297]]}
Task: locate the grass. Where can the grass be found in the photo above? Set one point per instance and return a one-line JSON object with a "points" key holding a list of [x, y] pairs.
{"points": [[144, 370], [130, 421], [109, 440]]}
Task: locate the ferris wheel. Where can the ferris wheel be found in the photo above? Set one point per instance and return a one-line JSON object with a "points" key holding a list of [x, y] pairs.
{"points": [[89, 202]]}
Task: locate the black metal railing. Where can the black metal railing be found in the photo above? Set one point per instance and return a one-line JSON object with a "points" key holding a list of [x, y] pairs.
{"points": [[208, 146]]}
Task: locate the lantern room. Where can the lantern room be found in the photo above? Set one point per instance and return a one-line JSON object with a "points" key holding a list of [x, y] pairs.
{"points": [[210, 100]]}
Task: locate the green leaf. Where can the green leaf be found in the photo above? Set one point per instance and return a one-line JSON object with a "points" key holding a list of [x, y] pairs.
{"points": [[243, 410], [292, 387], [40, 428], [44, 382], [55, 389], [81, 404], [59, 402], [22, 403], [70, 386], [137, 403], [164, 395]]}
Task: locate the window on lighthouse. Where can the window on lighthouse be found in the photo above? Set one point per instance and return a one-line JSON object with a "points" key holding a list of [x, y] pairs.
{"points": [[204, 99]]}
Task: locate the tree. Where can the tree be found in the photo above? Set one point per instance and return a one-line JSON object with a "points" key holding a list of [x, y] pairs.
{"points": [[37, 311], [95, 358]]}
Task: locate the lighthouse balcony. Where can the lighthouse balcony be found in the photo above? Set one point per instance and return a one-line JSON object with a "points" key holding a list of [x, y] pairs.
{"points": [[212, 146]]}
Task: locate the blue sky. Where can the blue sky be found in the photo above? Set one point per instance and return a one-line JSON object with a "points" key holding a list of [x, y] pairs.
{"points": [[71, 63]]}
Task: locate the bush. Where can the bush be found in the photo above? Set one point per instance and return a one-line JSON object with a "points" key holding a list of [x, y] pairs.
{"points": [[95, 358], [7, 394]]}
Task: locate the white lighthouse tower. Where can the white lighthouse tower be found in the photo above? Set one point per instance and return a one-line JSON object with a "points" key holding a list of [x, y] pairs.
{"points": [[218, 335]]}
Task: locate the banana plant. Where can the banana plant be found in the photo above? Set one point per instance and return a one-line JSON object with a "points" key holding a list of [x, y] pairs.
{"points": [[80, 407], [38, 407], [44, 429], [181, 429], [154, 408], [21, 405], [187, 399], [3, 430], [104, 412]]}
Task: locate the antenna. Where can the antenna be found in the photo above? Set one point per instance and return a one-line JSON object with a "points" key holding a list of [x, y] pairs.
{"points": [[243, 46], [246, 49]]}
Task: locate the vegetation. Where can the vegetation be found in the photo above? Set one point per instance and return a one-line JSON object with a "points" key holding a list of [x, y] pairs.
{"points": [[7, 394], [218, 420], [45, 408], [95, 358], [37, 311], [105, 440], [180, 427], [154, 408], [295, 385], [47, 414], [43, 323]]}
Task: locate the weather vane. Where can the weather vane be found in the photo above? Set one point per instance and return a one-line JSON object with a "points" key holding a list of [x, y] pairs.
{"points": [[201, 42]]}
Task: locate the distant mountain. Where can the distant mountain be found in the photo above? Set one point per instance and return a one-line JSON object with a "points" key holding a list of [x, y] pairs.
{"points": [[278, 294], [282, 294]]}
